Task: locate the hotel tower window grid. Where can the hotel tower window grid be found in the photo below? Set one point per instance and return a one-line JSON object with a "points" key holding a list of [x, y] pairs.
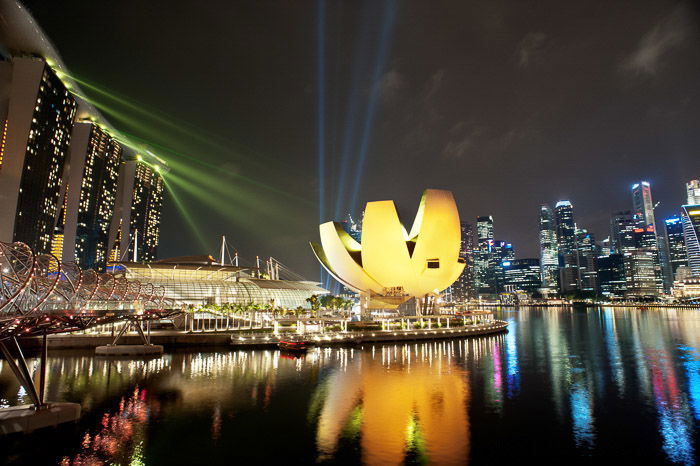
{"points": [[3, 142], [98, 193], [145, 212], [47, 146]]}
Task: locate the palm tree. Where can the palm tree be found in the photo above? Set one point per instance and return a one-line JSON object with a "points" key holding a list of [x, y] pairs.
{"points": [[314, 302]]}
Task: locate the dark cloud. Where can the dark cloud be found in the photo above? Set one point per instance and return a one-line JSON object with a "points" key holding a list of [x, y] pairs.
{"points": [[670, 32], [531, 48], [434, 84], [390, 85]]}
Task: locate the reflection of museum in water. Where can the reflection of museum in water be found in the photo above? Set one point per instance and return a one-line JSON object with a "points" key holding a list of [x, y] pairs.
{"points": [[395, 412]]}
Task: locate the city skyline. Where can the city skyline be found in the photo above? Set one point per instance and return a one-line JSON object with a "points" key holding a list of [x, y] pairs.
{"points": [[500, 136]]}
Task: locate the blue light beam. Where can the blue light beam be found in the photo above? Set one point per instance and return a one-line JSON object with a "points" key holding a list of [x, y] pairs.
{"points": [[387, 28]]}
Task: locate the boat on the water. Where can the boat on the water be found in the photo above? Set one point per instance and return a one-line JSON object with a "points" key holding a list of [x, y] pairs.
{"points": [[294, 345]]}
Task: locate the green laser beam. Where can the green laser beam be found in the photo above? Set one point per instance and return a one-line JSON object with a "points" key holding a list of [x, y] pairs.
{"points": [[180, 125], [185, 214], [218, 168]]}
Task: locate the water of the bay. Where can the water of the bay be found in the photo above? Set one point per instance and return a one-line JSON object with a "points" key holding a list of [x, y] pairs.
{"points": [[580, 385]]}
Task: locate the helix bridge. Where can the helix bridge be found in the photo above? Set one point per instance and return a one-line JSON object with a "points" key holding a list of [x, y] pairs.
{"points": [[40, 295]]}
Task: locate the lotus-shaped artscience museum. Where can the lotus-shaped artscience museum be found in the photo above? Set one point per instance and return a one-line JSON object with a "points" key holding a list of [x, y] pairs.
{"points": [[391, 261]]}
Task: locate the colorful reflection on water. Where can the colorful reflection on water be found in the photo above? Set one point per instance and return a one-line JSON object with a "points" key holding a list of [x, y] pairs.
{"points": [[605, 384]]}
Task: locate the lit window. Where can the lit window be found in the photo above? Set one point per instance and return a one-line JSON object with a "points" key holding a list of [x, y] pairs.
{"points": [[433, 263]]}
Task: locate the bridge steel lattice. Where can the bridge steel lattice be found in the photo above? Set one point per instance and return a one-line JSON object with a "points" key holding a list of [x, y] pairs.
{"points": [[40, 295]]}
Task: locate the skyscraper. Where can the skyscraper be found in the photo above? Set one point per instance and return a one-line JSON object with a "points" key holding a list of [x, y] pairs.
{"points": [[501, 252], [522, 275], [549, 259], [693, 190], [691, 231], [91, 192], [483, 280], [135, 229], [675, 244], [611, 275], [463, 288], [642, 269], [642, 204], [484, 228], [569, 280], [36, 115], [621, 226], [587, 251], [566, 228]]}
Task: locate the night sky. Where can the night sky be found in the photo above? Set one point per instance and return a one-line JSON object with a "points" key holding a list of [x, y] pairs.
{"points": [[509, 104]]}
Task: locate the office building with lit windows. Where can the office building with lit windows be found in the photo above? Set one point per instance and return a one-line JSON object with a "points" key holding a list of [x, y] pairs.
{"points": [[693, 191], [691, 232], [642, 204], [90, 195], [463, 288], [135, 229], [611, 276], [622, 225], [641, 275], [549, 251], [675, 244], [483, 280], [642, 269], [569, 280], [36, 116], [522, 275], [587, 251], [566, 228], [484, 228]]}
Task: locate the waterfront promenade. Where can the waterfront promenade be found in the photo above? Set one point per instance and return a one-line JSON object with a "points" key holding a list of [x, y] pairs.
{"points": [[182, 339]]}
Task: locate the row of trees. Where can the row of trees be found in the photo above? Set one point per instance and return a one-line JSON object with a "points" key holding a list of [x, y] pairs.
{"points": [[330, 302], [316, 302], [248, 308]]}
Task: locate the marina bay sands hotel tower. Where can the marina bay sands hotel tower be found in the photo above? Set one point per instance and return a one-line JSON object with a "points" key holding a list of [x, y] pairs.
{"points": [[69, 185]]}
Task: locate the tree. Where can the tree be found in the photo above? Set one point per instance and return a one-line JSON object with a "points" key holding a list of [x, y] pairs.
{"points": [[314, 302]]}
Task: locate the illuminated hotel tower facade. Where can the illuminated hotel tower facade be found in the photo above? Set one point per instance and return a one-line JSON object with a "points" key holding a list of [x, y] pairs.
{"points": [[58, 178], [135, 230], [91, 192], [36, 116], [549, 252]]}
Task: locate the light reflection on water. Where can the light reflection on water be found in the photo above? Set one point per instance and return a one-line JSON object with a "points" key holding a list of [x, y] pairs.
{"points": [[594, 383]]}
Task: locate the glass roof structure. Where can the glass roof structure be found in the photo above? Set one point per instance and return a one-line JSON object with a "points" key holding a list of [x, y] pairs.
{"points": [[201, 284]]}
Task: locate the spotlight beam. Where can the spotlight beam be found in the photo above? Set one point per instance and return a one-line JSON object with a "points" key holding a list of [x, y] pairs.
{"points": [[353, 104], [387, 28]]}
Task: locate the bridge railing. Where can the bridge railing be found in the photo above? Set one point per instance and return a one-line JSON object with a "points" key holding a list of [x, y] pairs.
{"points": [[40, 294]]}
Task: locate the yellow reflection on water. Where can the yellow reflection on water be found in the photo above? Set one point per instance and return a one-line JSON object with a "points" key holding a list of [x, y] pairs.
{"points": [[419, 410]]}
